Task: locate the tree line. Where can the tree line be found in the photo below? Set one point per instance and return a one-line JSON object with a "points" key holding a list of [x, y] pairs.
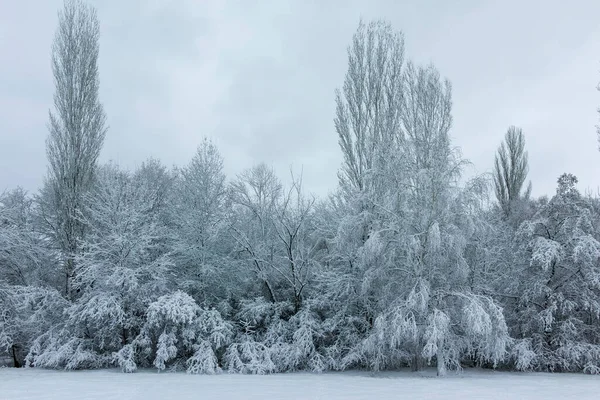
{"points": [[405, 264]]}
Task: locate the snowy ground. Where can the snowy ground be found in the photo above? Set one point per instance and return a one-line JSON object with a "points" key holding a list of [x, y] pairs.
{"points": [[111, 385]]}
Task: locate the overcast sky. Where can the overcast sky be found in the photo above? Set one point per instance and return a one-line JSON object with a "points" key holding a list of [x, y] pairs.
{"points": [[258, 77]]}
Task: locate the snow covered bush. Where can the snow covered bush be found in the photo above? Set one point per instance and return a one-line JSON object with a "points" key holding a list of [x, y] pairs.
{"points": [[294, 343], [55, 349], [176, 329], [125, 358], [250, 357], [204, 360], [272, 332]]}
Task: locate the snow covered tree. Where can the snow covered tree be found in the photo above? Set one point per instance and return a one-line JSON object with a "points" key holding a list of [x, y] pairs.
{"points": [[198, 215], [402, 294], [510, 171], [368, 106], [255, 195], [368, 125], [23, 255], [293, 224], [77, 130], [272, 231], [123, 266], [558, 285], [429, 306], [26, 313], [25, 300]]}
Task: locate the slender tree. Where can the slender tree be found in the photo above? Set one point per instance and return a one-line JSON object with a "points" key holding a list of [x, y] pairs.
{"points": [[292, 225], [510, 170], [368, 107], [77, 128], [199, 211]]}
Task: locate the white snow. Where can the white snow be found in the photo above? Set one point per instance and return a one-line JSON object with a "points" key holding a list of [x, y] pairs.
{"points": [[24, 384]]}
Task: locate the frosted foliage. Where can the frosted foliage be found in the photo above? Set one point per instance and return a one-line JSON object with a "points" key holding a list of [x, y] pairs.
{"points": [[545, 252], [476, 319], [166, 349], [121, 268], [6, 330], [558, 287], [28, 313], [372, 250], [50, 351], [99, 312], [22, 249], [484, 323], [185, 331], [249, 357], [307, 333], [435, 334], [524, 355], [125, 359], [418, 297], [586, 251], [367, 106], [434, 237], [203, 361], [172, 310], [217, 331]]}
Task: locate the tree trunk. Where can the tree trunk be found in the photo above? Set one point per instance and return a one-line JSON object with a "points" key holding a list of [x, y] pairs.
{"points": [[441, 361], [417, 363], [16, 362]]}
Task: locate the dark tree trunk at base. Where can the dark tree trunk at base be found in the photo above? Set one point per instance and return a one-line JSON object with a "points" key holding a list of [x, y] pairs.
{"points": [[16, 362]]}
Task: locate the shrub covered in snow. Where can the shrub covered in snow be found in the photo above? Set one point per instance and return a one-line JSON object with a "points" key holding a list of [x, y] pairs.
{"points": [[177, 329]]}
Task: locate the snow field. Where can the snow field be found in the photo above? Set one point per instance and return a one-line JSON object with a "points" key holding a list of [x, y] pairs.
{"points": [[29, 384]]}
